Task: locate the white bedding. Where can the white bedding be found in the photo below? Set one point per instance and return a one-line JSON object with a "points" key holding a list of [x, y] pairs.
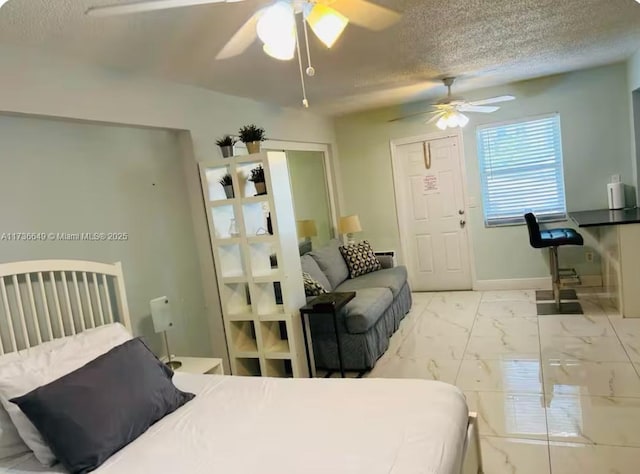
{"points": [[262, 425]]}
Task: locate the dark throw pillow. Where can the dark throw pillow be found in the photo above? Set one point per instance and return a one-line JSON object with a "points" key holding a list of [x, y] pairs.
{"points": [[94, 411], [311, 286], [360, 259]]}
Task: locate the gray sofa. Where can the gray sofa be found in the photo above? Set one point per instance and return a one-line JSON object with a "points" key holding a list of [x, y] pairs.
{"points": [[367, 322]]}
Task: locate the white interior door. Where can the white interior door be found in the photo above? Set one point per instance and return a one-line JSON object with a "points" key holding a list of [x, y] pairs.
{"points": [[432, 214]]}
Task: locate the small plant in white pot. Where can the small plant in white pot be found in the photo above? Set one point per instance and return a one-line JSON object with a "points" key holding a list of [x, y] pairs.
{"points": [[227, 183], [252, 136], [257, 177], [226, 145]]}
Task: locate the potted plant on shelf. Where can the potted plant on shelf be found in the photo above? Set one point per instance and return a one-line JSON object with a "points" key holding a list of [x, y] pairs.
{"points": [[257, 177], [227, 184], [252, 136], [226, 145]]}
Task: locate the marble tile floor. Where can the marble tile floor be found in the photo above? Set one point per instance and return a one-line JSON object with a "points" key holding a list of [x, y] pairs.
{"points": [[555, 394]]}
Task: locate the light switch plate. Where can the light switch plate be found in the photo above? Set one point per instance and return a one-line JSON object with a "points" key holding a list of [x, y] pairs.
{"points": [[473, 202], [615, 178]]}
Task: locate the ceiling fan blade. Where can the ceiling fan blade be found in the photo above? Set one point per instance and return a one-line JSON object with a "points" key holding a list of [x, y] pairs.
{"points": [[493, 100], [483, 109], [147, 6], [404, 117], [433, 119], [366, 14], [242, 39]]}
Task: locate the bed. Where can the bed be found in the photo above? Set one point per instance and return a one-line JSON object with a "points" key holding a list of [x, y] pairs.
{"points": [[244, 424]]}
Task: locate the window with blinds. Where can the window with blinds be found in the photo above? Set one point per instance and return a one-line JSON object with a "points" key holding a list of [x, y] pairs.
{"points": [[521, 171]]}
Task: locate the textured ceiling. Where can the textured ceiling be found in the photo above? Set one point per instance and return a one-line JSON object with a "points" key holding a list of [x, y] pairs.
{"points": [[486, 42]]}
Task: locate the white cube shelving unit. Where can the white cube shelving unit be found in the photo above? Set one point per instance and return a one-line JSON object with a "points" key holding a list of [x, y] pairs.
{"points": [[263, 330]]}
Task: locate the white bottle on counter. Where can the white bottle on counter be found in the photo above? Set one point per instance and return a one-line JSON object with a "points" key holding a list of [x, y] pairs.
{"points": [[615, 192]]}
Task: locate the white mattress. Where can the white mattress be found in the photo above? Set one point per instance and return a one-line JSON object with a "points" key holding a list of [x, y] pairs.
{"points": [[250, 425]]}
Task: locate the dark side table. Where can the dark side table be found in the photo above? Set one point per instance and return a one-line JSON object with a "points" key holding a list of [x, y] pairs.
{"points": [[327, 303]]}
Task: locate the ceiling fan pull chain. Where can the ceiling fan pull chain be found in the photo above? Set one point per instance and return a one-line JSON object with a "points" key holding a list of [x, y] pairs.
{"points": [[305, 102], [311, 71]]}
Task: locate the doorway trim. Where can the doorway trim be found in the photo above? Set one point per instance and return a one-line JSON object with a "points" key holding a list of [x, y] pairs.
{"points": [[400, 214]]}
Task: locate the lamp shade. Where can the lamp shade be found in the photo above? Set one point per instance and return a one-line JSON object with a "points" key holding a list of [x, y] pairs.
{"points": [[326, 23], [307, 228], [463, 120], [349, 224], [161, 314], [452, 119], [276, 29], [284, 51]]}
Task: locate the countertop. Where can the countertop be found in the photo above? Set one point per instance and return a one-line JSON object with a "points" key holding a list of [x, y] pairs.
{"points": [[601, 217]]}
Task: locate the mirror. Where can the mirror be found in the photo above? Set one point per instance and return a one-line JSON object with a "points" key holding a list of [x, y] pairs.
{"points": [[308, 178]]}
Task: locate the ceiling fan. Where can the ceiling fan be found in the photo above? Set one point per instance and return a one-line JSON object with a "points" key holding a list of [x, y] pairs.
{"points": [[276, 24], [449, 110]]}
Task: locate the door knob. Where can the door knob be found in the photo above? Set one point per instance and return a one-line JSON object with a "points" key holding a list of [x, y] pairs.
{"points": [[461, 212], [462, 222]]}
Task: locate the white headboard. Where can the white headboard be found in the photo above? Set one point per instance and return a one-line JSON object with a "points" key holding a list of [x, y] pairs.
{"points": [[41, 300]]}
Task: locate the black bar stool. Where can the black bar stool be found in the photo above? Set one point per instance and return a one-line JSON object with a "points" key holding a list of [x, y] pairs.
{"points": [[552, 239]]}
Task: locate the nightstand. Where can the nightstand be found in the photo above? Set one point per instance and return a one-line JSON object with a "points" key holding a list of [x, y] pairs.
{"points": [[200, 365]]}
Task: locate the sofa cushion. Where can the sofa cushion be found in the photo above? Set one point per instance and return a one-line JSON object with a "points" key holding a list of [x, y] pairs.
{"points": [[310, 266], [330, 261], [362, 312], [360, 259], [392, 278]]}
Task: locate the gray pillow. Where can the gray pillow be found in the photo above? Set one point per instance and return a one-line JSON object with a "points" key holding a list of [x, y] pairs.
{"points": [[94, 411], [310, 266], [330, 261]]}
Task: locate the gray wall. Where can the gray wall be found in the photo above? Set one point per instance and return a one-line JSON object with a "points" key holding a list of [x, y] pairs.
{"points": [[61, 176], [44, 85], [594, 110], [309, 189]]}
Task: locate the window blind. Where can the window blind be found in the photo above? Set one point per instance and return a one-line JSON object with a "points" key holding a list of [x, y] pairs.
{"points": [[521, 171]]}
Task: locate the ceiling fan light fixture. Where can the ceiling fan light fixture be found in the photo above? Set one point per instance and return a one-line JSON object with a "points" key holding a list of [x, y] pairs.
{"points": [[442, 123], [452, 119], [282, 50], [463, 120], [327, 23], [276, 29]]}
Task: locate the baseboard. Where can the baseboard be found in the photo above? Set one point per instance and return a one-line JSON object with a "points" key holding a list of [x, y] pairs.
{"points": [[587, 281], [540, 283]]}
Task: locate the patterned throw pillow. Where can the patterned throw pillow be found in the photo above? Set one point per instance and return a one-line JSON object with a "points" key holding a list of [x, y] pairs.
{"points": [[360, 259], [311, 286]]}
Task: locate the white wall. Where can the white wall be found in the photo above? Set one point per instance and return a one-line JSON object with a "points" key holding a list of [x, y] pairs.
{"points": [[37, 84], [595, 145], [69, 177]]}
